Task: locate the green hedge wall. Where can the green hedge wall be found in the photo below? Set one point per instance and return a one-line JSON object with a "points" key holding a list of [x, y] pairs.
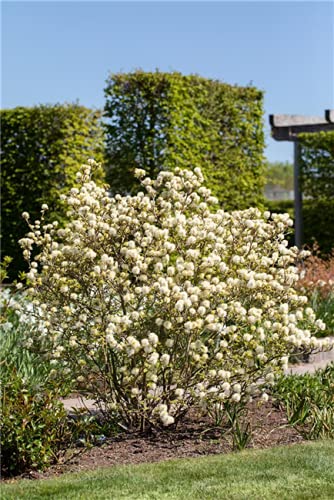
{"points": [[41, 150], [317, 165], [162, 120]]}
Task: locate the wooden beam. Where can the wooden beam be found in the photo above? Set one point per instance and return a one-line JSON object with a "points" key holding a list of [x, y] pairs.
{"points": [[295, 120], [291, 133]]}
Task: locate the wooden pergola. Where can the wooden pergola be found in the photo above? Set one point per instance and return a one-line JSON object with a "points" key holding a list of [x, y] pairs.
{"points": [[288, 128]]}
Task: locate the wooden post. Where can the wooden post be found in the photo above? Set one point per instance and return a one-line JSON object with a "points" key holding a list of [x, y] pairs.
{"points": [[298, 197]]}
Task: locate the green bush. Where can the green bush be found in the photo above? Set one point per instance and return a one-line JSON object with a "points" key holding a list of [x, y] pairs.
{"points": [[280, 206], [16, 331], [41, 148], [33, 421], [317, 184], [33, 426], [161, 121], [279, 174]]}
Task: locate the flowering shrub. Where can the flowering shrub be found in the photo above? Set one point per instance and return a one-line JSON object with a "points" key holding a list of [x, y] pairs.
{"points": [[155, 303]]}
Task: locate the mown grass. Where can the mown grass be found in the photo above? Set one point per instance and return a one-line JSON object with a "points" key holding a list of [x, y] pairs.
{"points": [[292, 472]]}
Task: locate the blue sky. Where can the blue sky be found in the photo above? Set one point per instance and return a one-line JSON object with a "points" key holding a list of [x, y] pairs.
{"points": [[63, 51]]}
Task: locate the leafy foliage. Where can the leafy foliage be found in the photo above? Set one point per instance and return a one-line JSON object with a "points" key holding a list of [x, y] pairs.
{"points": [[309, 402], [35, 429], [41, 149], [33, 421], [161, 121], [317, 165]]}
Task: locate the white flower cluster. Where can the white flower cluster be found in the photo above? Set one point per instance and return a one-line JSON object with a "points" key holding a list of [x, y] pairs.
{"points": [[162, 303]]}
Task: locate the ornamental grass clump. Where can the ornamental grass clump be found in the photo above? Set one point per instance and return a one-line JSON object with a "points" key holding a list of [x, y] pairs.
{"points": [[155, 303]]}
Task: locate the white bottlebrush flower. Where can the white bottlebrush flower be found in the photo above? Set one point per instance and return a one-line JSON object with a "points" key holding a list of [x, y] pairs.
{"points": [[153, 358], [90, 254], [179, 392], [153, 338], [164, 359]]}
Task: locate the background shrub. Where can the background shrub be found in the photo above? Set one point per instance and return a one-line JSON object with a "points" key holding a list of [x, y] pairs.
{"points": [[41, 149], [33, 424], [166, 120]]}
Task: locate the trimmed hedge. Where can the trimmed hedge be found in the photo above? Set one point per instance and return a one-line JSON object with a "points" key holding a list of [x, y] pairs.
{"points": [[42, 148], [317, 165], [165, 120]]}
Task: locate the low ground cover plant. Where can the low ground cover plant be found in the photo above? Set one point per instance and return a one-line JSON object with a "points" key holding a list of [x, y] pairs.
{"points": [[160, 302], [308, 401]]}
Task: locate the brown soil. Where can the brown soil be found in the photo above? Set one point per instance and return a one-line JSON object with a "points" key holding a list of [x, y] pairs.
{"points": [[191, 439]]}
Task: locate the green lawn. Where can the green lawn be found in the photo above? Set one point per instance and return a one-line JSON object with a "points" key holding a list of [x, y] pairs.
{"points": [[292, 472]]}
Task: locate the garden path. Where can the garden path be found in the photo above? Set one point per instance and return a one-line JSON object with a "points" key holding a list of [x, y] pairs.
{"points": [[316, 362]]}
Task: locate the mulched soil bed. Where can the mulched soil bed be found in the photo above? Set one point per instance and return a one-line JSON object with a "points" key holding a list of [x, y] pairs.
{"points": [[191, 439]]}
